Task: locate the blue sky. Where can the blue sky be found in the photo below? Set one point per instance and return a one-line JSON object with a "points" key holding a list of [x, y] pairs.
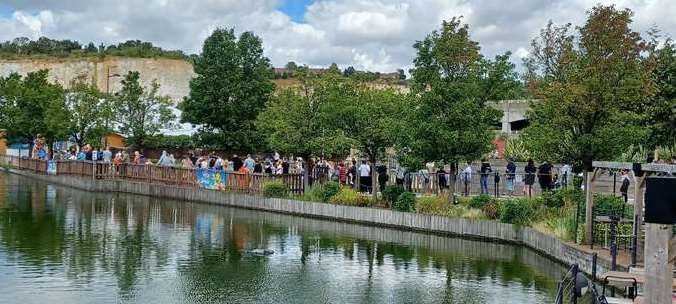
{"points": [[5, 10], [293, 8]]}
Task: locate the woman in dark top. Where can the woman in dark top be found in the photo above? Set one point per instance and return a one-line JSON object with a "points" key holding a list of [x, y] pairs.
{"points": [[530, 177]]}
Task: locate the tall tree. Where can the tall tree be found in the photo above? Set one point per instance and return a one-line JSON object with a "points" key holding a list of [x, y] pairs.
{"points": [[450, 119], [140, 112], [591, 88], [90, 110], [31, 105], [661, 118], [231, 86]]}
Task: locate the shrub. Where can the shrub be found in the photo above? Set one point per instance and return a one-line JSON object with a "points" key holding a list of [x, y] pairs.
{"points": [[432, 205], [605, 204], [552, 199], [391, 193], [460, 211], [491, 210], [275, 189], [348, 196], [516, 211], [479, 201], [405, 202], [329, 190]]}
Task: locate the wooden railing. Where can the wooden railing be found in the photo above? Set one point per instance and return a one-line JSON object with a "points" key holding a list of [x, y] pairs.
{"points": [[186, 177]]}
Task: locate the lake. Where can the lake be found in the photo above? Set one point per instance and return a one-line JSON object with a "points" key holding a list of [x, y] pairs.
{"points": [[61, 245]]}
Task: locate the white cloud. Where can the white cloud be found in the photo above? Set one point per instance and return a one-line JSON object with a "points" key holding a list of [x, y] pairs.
{"points": [[369, 34]]}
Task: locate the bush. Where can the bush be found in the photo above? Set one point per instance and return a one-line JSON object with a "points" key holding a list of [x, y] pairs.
{"points": [[405, 202], [552, 199], [348, 196], [516, 211], [329, 190], [605, 204], [432, 205], [391, 193], [275, 189], [491, 210], [479, 201]]}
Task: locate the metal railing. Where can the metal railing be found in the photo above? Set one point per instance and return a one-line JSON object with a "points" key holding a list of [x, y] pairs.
{"points": [[177, 176]]}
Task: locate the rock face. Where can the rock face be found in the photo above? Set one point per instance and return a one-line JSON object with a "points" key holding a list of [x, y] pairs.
{"points": [[173, 75]]}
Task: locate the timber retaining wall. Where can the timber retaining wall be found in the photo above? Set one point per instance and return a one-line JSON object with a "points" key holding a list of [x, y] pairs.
{"points": [[478, 229]]}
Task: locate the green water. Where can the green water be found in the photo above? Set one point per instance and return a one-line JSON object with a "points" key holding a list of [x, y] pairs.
{"points": [[59, 245]]}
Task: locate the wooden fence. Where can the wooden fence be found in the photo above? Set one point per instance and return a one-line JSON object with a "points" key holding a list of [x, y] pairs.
{"points": [[186, 177]]}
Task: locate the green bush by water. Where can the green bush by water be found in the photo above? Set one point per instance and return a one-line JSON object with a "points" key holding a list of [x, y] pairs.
{"points": [[276, 190], [405, 202], [516, 211], [329, 190], [481, 200], [349, 197], [436, 205], [391, 193]]}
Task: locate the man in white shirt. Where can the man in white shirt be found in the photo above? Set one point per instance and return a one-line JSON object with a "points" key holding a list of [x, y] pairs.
{"points": [[467, 177], [364, 176]]}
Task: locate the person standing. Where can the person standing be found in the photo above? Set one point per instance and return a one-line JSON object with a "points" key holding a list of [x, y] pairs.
{"points": [[364, 174], [258, 167], [237, 163], [249, 163], [467, 177], [382, 177], [564, 173], [510, 171], [107, 155], [545, 176], [285, 165], [624, 188], [485, 172], [342, 173], [530, 178]]}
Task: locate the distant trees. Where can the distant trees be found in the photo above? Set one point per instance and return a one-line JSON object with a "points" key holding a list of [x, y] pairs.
{"points": [[231, 85], [22, 47]]}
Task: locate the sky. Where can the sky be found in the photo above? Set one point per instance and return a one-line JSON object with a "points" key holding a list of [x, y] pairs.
{"points": [[374, 35]]}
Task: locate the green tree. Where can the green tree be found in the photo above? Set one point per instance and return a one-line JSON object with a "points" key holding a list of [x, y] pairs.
{"points": [[402, 74], [31, 105], [141, 113], [662, 111], [303, 120], [90, 111], [591, 89], [230, 88], [333, 69], [449, 119], [349, 71]]}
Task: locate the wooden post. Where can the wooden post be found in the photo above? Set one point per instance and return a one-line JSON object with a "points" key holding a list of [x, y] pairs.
{"points": [[639, 198], [589, 206], [658, 269], [306, 175]]}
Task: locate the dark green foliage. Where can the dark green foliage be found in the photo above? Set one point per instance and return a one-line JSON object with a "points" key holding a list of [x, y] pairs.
{"points": [[480, 200], [551, 199], [662, 110], [31, 105], [391, 193], [230, 87], [607, 204], [516, 211], [24, 47], [405, 202], [329, 189], [275, 190], [350, 197]]}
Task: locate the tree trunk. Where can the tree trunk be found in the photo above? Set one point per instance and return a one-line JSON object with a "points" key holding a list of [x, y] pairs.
{"points": [[374, 176]]}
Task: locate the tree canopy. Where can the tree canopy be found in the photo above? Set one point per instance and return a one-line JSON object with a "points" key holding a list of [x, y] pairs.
{"points": [[231, 86], [90, 111], [592, 88], [449, 119], [31, 105], [141, 113]]}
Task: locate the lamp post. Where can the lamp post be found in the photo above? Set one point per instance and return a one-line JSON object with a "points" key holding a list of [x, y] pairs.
{"points": [[108, 76]]}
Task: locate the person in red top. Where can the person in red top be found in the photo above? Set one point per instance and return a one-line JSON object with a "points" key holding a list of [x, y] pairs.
{"points": [[342, 173]]}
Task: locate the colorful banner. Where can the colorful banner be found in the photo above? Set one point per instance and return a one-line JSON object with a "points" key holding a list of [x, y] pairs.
{"points": [[212, 179], [51, 167]]}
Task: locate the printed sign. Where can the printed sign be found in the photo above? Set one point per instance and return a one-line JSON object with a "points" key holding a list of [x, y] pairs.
{"points": [[51, 167], [212, 179]]}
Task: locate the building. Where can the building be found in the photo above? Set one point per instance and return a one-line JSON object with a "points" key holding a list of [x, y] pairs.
{"points": [[114, 140]]}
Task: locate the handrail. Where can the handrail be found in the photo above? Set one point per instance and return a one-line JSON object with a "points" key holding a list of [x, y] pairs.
{"points": [[166, 175]]}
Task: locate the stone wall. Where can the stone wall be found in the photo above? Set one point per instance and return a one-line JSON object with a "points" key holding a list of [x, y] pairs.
{"points": [[173, 75]]}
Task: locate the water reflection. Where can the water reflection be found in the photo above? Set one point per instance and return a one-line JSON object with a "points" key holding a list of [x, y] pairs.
{"points": [[64, 245]]}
